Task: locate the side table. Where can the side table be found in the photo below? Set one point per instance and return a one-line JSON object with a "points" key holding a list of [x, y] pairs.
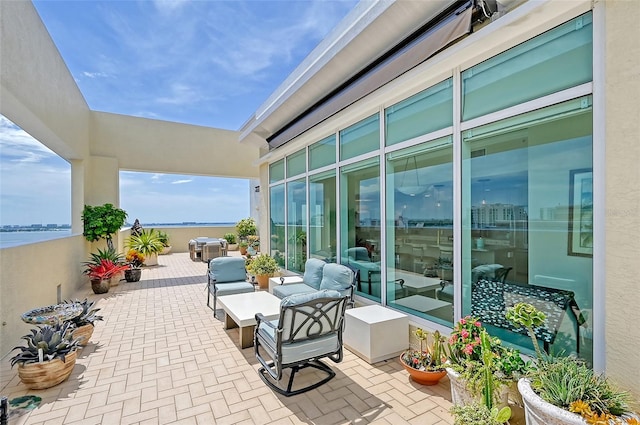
{"points": [[275, 281]]}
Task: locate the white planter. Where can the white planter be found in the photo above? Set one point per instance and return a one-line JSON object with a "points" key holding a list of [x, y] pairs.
{"points": [[165, 250], [232, 247], [461, 396], [151, 260], [539, 412]]}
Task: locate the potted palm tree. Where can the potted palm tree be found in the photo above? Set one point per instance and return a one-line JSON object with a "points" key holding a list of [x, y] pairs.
{"points": [[148, 243], [49, 356], [263, 267]]}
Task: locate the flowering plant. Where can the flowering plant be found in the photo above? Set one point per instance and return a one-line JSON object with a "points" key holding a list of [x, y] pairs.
{"points": [[105, 270], [464, 341], [431, 356], [134, 258]]}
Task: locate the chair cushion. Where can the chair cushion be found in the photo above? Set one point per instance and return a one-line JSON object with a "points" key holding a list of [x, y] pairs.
{"points": [[282, 291], [313, 272], [230, 288], [301, 298], [337, 277], [292, 353], [227, 269]]}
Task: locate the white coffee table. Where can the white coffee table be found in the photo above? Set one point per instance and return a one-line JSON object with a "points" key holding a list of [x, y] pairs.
{"points": [[240, 311], [421, 303]]}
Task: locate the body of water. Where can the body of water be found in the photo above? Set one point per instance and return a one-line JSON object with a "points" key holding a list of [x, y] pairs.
{"points": [[9, 239]]}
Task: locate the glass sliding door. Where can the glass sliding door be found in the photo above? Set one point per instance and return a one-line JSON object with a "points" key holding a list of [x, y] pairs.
{"points": [[527, 223], [360, 224], [419, 186], [296, 225], [322, 216], [277, 220]]}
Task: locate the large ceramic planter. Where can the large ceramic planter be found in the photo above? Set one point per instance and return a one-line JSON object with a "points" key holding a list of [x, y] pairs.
{"points": [[38, 376], [461, 395], [539, 412], [151, 260], [84, 332], [133, 275], [232, 247], [100, 286], [165, 250], [423, 377]]}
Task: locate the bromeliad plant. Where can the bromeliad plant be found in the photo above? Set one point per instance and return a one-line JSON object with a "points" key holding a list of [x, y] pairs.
{"points": [[432, 354], [46, 343], [106, 269]]}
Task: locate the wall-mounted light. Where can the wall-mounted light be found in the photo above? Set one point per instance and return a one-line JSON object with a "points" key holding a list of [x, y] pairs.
{"points": [[256, 189]]}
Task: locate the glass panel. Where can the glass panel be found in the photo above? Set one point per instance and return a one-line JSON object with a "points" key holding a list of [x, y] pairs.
{"points": [[276, 171], [360, 138], [553, 61], [296, 163], [322, 220], [425, 112], [420, 230], [360, 224], [296, 225], [527, 223], [322, 153], [276, 212]]}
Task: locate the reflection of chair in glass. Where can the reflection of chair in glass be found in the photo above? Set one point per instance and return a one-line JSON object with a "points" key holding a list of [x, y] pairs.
{"points": [[419, 262], [308, 329], [358, 258]]}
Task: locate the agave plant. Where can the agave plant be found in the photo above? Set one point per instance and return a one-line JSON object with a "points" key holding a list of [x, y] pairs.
{"points": [[88, 315], [54, 342]]}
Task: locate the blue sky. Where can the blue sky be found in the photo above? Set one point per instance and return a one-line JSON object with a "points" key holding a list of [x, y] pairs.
{"points": [[210, 63]]}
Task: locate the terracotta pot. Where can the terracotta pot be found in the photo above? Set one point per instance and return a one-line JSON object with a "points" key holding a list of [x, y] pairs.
{"points": [[263, 281], [423, 377], [100, 286], [38, 376], [133, 275], [243, 250], [84, 332]]}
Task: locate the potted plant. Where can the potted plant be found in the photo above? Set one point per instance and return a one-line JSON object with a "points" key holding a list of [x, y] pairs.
{"points": [[164, 238], [243, 245], [135, 260], [263, 267], [108, 254], [101, 273], [484, 412], [101, 222], [466, 368], [426, 365], [49, 356], [148, 243], [246, 227], [84, 323], [564, 390], [231, 241]]}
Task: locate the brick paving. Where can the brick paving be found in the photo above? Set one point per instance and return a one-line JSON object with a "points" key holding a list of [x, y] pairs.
{"points": [[160, 357]]}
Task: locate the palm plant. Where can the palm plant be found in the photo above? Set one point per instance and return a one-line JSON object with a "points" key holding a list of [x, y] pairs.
{"points": [[148, 242]]}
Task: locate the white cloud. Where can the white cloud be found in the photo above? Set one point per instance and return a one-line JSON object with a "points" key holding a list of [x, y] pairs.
{"points": [[17, 145], [181, 181], [94, 74]]}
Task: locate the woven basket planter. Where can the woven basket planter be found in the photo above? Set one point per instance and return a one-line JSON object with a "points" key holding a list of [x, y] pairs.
{"points": [[38, 376], [84, 332]]}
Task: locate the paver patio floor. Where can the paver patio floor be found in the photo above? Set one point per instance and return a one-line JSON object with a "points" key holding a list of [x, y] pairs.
{"points": [[160, 357]]}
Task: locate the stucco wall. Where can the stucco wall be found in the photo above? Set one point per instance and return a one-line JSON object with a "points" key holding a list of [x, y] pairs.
{"points": [[30, 276], [179, 237], [37, 91], [142, 144], [622, 193]]}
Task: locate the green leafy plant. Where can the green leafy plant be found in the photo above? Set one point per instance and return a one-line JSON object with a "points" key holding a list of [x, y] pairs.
{"points": [[263, 264], [230, 238], [479, 414], [147, 242], [101, 222], [164, 238], [88, 315], [107, 254], [246, 227], [243, 244], [54, 341], [567, 382], [432, 353]]}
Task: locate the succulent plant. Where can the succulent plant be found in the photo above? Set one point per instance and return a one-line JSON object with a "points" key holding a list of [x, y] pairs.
{"points": [[88, 315], [54, 341]]}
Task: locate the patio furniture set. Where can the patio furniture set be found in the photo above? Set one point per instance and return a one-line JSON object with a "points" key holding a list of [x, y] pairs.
{"points": [[204, 248]]}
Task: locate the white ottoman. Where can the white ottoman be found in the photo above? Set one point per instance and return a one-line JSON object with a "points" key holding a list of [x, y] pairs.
{"points": [[375, 333]]}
